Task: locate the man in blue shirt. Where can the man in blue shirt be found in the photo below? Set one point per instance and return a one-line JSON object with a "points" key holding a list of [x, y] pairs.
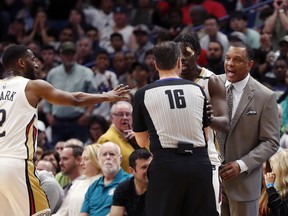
{"points": [[98, 198]]}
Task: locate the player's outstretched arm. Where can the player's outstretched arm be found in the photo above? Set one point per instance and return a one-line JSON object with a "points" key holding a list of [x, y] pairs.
{"points": [[38, 89]]}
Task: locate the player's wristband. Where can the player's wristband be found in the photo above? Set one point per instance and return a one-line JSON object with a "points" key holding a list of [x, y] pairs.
{"points": [[270, 185]]}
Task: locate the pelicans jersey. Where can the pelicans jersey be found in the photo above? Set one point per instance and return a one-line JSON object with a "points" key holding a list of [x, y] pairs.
{"points": [[20, 191], [203, 80]]}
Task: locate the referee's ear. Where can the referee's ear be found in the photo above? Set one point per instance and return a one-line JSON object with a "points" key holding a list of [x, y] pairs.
{"points": [[156, 67], [179, 64]]}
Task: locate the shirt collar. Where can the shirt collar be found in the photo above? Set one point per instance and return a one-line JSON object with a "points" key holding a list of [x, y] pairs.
{"points": [[240, 85]]}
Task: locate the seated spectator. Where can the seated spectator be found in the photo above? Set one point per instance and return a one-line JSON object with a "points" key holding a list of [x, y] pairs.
{"points": [[129, 196], [212, 7], [140, 76], [176, 20], [215, 57], [283, 47], [41, 32], [70, 163], [212, 33], [52, 156], [277, 23], [238, 22], [46, 165], [73, 202], [120, 131], [53, 190], [142, 33], [276, 182], [103, 81], [98, 198], [78, 24], [97, 126], [100, 17], [84, 52], [122, 26]]}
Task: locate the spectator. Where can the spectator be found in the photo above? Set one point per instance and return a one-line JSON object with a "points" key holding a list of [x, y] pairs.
{"points": [[48, 54], [84, 52], [177, 25], [17, 29], [70, 160], [47, 166], [97, 126], [238, 22], [129, 197], [98, 198], [100, 17], [52, 156], [241, 169], [69, 122], [276, 183], [212, 33], [214, 57], [142, 33], [120, 68], [93, 34], [149, 61], [77, 23], [92, 171], [103, 81], [140, 76], [120, 131], [117, 44], [277, 23], [121, 19], [41, 31], [42, 137], [283, 47], [142, 14], [212, 7], [52, 189], [59, 146]]}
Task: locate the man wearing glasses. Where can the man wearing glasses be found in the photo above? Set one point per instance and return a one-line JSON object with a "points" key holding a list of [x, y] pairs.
{"points": [[120, 131], [98, 198]]}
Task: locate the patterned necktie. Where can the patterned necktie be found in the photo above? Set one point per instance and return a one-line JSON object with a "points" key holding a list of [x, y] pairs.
{"points": [[222, 137]]}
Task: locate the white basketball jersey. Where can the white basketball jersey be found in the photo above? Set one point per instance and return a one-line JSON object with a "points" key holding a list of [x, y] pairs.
{"points": [[18, 120], [203, 80]]}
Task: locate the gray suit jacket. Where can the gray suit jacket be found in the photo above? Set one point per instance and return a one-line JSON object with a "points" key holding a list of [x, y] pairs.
{"points": [[253, 138]]}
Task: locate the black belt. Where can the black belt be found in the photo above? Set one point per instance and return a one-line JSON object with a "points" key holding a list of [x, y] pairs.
{"points": [[164, 151]]}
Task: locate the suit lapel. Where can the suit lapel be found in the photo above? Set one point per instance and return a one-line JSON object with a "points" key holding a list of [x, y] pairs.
{"points": [[246, 97]]}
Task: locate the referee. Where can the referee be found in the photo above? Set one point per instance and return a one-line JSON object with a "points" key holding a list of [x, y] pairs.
{"points": [[170, 115]]}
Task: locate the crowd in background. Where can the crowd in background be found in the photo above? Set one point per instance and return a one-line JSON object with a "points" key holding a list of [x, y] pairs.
{"points": [[104, 43]]}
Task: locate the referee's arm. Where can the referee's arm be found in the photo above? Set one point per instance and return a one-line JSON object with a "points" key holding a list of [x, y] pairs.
{"points": [[142, 138]]}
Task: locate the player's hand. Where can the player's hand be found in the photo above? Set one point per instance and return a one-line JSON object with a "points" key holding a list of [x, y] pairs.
{"points": [[118, 93], [229, 171]]}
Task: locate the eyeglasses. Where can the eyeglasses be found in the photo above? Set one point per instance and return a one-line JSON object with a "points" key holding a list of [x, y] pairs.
{"points": [[121, 115], [110, 154]]}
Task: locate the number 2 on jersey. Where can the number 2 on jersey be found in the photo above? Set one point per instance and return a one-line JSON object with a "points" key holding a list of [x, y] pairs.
{"points": [[2, 120], [176, 98]]}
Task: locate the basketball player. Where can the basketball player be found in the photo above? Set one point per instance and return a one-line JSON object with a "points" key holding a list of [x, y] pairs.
{"points": [[20, 93]]}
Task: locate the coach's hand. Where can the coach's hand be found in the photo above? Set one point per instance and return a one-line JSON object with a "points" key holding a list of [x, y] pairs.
{"points": [[229, 171]]}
